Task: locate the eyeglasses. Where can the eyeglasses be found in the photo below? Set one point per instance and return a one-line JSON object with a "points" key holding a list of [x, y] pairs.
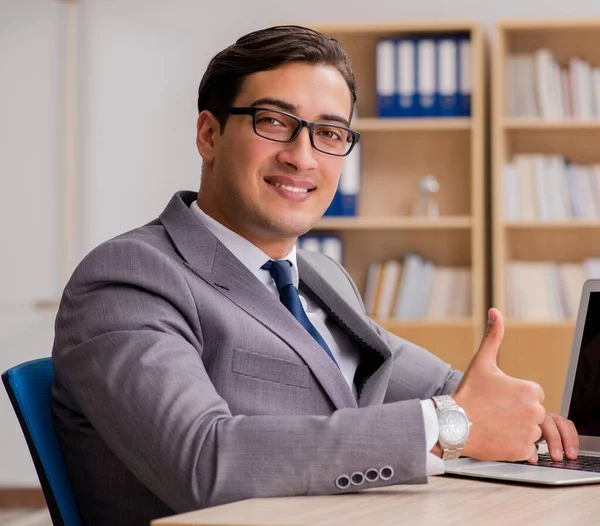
{"points": [[280, 126]]}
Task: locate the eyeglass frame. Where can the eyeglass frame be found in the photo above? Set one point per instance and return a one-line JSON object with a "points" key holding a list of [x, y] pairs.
{"points": [[253, 110]]}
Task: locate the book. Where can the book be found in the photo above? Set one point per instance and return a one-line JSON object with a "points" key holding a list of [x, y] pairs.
{"points": [[572, 277], [406, 102], [438, 304], [511, 192], [544, 85], [385, 73], [426, 77], [460, 300], [408, 290], [390, 276], [309, 242], [448, 55], [372, 288], [464, 76], [332, 247], [349, 186]]}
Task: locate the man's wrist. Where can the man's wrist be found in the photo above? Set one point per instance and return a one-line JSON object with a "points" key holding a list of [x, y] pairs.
{"points": [[454, 427], [437, 450]]}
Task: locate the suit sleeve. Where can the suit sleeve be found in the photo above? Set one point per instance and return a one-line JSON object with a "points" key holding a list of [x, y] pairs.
{"points": [[417, 372], [128, 352]]}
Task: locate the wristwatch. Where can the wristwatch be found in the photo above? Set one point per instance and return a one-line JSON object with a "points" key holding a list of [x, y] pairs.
{"points": [[454, 426]]}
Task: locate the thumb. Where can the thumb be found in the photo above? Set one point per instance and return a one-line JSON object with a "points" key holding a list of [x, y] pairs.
{"points": [[494, 332]]}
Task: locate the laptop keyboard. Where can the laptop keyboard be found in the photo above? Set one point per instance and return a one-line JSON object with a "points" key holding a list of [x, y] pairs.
{"points": [[583, 463]]}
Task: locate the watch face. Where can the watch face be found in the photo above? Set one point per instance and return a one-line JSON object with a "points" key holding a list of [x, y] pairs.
{"points": [[454, 427]]}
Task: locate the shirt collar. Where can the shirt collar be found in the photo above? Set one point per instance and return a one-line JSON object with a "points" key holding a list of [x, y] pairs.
{"points": [[252, 257]]}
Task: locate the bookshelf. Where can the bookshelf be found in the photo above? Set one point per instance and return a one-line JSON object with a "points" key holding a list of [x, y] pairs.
{"points": [[539, 349], [395, 154]]}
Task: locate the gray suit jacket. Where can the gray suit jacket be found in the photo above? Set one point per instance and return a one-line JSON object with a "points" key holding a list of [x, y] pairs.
{"points": [[181, 382]]}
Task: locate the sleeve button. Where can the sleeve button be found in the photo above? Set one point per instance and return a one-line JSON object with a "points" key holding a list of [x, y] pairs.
{"points": [[357, 478], [372, 475], [386, 473], [342, 481]]}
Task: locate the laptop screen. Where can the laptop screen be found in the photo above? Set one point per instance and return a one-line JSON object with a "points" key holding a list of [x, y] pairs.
{"points": [[584, 410]]}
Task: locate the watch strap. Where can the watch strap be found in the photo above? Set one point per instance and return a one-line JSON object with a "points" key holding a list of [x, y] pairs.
{"points": [[444, 402]]}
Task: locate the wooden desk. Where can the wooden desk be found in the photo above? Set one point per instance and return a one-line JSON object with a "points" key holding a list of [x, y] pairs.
{"points": [[444, 501]]}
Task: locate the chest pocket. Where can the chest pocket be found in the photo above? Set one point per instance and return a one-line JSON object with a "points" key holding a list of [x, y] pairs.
{"points": [[265, 367]]}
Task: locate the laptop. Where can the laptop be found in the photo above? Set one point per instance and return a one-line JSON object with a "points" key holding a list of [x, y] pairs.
{"points": [[580, 403]]}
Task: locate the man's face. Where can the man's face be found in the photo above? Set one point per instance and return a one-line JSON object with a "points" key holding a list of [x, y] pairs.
{"points": [[272, 192]]}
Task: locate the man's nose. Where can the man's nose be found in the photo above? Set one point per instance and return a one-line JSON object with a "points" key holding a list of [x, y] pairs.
{"points": [[300, 152]]}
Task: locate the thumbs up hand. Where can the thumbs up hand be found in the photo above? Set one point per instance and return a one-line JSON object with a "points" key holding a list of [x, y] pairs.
{"points": [[506, 412]]}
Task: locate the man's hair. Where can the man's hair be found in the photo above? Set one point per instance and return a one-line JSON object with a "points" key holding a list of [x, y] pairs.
{"points": [[264, 50]]}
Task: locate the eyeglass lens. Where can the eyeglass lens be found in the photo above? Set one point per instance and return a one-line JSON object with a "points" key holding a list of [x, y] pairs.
{"points": [[280, 127]]}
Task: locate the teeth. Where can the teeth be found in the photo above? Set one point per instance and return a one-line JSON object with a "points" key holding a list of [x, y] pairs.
{"points": [[290, 188]]}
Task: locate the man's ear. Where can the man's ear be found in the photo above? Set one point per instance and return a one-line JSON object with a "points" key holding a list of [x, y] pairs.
{"points": [[208, 130]]}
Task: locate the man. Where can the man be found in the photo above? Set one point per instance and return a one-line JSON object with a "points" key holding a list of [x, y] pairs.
{"points": [[201, 359]]}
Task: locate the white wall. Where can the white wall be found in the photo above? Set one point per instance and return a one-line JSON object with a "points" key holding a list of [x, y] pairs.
{"points": [[141, 63], [30, 136]]}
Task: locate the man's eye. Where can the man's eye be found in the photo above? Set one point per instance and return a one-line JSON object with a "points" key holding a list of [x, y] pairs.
{"points": [[330, 135], [270, 121]]}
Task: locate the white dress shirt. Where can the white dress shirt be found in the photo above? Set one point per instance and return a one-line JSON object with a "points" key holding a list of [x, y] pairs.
{"points": [[341, 345]]}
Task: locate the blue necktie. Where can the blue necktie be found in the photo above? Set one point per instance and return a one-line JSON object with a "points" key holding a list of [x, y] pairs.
{"points": [[281, 271]]}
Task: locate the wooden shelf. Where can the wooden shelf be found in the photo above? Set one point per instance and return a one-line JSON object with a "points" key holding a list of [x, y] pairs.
{"points": [[358, 29], [539, 349], [394, 223], [552, 225], [546, 25], [515, 123], [395, 324], [539, 324], [395, 154], [427, 124]]}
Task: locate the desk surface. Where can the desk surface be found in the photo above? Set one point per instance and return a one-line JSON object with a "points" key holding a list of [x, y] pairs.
{"points": [[444, 501]]}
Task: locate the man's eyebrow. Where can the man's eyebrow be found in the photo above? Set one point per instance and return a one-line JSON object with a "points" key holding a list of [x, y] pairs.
{"points": [[290, 108], [285, 106], [334, 118]]}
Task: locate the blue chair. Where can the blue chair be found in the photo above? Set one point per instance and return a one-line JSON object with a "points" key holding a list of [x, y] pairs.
{"points": [[28, 386]]}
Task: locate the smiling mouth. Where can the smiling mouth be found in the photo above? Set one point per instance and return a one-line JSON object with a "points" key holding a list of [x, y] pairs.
{"points": [[290, 188]]}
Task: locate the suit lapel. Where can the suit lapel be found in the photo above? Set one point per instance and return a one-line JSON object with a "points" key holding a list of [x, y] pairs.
{"points": [[376, 359], [210, 260]]}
